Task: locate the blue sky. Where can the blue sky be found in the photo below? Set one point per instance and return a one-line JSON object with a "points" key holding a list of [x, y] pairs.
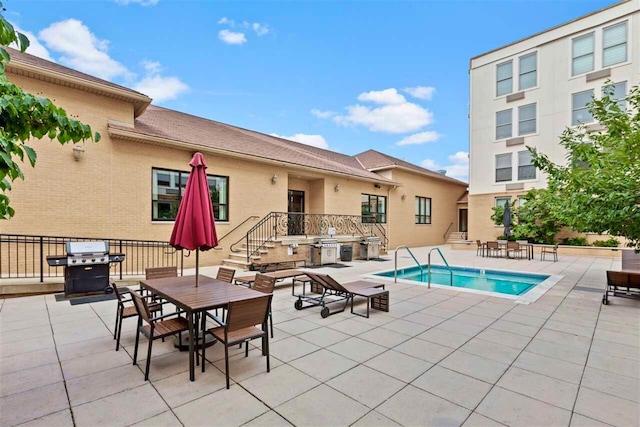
{"points": [[347, 76]]}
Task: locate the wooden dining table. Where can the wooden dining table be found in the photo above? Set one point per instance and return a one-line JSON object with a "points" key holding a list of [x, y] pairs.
{"points": [[210, 294]]}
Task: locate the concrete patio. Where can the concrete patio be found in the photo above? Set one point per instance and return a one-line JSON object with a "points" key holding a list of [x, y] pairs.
{"points": [[440, 357]]}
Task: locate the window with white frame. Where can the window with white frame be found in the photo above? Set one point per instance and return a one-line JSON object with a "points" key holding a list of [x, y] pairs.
{"points": [[528, 71], [503, 124], [579, 110], [582, 54], [423, 210], [527, 119], [618, 93], [614, 44], [526, 169], [503, 167], [504, 78]]}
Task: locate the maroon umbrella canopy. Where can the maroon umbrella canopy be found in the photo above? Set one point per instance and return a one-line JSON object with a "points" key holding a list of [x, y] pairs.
{"points": [[195, 228]]}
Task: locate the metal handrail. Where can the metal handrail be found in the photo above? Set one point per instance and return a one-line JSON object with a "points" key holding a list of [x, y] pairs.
{"points": [[238, 226], [429, 267], [444, 236], [395, 267]]}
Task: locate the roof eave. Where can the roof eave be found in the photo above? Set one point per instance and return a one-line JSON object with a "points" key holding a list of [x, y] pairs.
{"points": [[140, 102], [132, 135]]}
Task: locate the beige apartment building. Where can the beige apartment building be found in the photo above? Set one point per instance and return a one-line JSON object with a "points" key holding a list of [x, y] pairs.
{"points": [[128, 186], [528, 92]]}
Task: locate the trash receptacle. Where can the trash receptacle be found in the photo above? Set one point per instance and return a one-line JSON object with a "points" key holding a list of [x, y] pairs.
{"points": [[346, 252]]}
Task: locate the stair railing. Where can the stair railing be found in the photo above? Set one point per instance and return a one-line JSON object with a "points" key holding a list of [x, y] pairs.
{"points": [[429, 267], [444, 236], [395, 267], [235, 228]]}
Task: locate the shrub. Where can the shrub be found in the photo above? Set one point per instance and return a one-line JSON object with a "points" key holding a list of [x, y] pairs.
{"points": [[575, 241], [609, 243]]}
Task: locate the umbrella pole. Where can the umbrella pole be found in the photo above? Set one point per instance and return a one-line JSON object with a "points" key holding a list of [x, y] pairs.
{"points": [[197, 266]]}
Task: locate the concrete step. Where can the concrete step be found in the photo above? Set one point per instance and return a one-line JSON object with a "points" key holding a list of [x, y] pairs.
{"points": [[243, 256], [242, 265]]}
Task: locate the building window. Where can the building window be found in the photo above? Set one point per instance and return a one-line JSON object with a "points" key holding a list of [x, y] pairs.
{"points": [[501, 202], [527, 119], [423, 210], [503, 124], [526, 169], [521, 201], [614, 44], [374, 208], [618, 93], [504, 76], [168, 187], [503, 167], [579, 109], [528, 71], [582, 54]]}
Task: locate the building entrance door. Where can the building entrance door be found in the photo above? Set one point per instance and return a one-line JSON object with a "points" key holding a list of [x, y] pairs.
{"points": [[462, 220], [296, 213]]}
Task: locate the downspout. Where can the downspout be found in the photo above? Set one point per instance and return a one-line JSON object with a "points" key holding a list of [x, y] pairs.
{"points": [[388, 214]]}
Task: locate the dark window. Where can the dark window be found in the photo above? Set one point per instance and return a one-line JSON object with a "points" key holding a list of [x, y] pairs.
{"points": [[374, 208], [526, 169], [423, 210], [503, 167], [168, 187]]}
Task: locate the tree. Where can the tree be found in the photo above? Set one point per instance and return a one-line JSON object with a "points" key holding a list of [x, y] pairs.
{"points": [[23, 117], [598, 189], [537, 220]]}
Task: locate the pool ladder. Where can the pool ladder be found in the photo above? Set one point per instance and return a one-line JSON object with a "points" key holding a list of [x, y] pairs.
{"points": [[395, 270]]}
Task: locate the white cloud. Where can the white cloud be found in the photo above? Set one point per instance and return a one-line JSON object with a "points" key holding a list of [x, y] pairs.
{"points": [[82, 50], [158, 87], [421, 92], [260, 29], [385, 97], [396, 118], [35, 47], [323, 114], [420, 138], [458, 166], [313, 140], [140, 2], [231, 37], [225, 20]]}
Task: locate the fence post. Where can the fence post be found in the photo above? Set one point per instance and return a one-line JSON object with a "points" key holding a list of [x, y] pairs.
{"points": [[41, 260], [120, 249]]}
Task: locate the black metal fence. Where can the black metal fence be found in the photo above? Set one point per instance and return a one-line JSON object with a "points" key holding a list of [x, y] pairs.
{"points": [[24, 256]]}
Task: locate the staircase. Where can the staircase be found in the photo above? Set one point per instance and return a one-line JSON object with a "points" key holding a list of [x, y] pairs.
{"points": [[456, 236], [239, 259]]}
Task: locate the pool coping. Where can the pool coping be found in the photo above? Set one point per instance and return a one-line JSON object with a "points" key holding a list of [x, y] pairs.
{"points": [[532, 295]]}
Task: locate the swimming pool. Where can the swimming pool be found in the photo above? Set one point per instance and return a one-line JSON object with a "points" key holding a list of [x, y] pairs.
{"points": [[508, 283]]}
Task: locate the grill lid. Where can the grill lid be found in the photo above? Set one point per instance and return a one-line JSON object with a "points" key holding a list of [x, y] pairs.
{"points": [[85, 248]]}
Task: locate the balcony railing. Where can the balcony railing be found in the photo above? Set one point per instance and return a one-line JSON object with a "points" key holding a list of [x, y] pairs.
{"points": [[24, 256]]}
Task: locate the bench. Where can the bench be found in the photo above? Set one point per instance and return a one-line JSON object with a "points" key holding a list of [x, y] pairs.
{"points": [[624, 283], [296, 275], [274, 265]]}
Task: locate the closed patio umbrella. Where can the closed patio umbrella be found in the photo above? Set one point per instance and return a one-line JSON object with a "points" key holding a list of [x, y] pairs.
{"points": [[195, 228], [506, 220]]}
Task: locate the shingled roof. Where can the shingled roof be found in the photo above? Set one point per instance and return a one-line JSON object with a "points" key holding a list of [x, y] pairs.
{"points": [[170, 125], [374, 160]]}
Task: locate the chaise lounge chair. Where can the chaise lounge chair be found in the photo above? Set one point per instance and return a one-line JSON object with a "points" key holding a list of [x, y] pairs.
{"points": [[377, 297], [622, 284]]}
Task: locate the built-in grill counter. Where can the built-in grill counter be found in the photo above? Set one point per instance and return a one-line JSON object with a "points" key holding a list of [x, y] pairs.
{"points": [[370, 248], [86, 267], [325, 251]]}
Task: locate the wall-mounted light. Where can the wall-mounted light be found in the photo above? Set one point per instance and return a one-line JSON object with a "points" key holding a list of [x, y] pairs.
{"points": [[376, 185], [274, 179], [78, 151], [336, 188], [404, 196]]}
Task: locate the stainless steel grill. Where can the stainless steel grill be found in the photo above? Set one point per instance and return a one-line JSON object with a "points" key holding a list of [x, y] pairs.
{"points": [[326, 250], [86, 267], [370, 248]]}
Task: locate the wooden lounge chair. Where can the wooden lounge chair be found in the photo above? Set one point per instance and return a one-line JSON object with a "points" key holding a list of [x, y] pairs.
{"points": [[622, 284], [240, 327], [377, 297]]}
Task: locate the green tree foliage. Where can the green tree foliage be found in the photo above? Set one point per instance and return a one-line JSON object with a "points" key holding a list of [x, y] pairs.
{"points": [[598, 189], [23, 117]]}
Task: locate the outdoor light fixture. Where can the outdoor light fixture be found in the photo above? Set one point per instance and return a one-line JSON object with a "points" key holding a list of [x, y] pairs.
{"points": [[404, 196], [274, 179], [78, 151], [336, 188], [376, 185]]}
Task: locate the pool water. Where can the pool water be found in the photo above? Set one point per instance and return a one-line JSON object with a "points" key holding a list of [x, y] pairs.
{"points": [[503, 282]]}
